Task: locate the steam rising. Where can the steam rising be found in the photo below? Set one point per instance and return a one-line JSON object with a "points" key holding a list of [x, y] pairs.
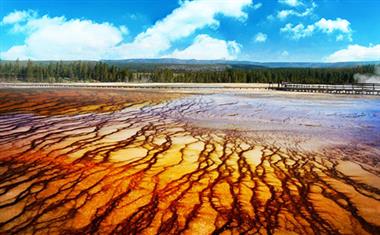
{"points": [[369, 78]]}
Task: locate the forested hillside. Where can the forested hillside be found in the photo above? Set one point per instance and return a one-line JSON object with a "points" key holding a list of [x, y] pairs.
{"points": [[87, 71]]}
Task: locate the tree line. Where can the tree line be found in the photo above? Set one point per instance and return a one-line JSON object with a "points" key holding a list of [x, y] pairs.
{"points": [[90, 71], [79, 71]]}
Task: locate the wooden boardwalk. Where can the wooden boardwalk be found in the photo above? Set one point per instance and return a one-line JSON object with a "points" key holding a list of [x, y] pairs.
{"points": [[352, 89]]}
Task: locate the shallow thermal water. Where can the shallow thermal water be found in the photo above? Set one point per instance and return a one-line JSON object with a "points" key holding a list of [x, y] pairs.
{"points": [[131, 162]]}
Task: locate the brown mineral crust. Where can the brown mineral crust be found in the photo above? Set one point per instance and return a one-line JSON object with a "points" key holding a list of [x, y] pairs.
{"points": [[131, 164], [65, 101]]}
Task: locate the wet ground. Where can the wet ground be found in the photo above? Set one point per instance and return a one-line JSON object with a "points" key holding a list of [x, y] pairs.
{"points": [[93, 161]]}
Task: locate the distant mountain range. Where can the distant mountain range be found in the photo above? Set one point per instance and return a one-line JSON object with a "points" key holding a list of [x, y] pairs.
{"points": [[216, 65], [223, 64]]}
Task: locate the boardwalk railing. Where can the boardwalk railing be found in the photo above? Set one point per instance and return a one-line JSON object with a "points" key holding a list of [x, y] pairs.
{"points": [[359, 88]]}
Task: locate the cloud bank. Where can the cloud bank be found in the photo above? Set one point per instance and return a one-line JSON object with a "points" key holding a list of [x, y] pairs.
{"points": [[60, 38], [181, 23], [205, 47], [356, 53], [338, 25]]}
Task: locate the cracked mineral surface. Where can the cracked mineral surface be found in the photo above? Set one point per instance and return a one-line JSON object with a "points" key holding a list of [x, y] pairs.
{"points": [[93, 161]]}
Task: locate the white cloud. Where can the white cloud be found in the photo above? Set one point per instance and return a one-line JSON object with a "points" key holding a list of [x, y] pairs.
{"points": [[270, 17], [340, 37], [299, 31], [208, 48], [283, 14], [329, 26], [292, 3], [257, 6], [181, 23], [285, 54], [261, 37], [356, 53], [16, 52], [59, 38], [16, 17]]}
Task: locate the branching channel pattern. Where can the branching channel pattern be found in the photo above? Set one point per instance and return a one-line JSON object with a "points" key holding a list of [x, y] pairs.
{"points": [[134, 162]]}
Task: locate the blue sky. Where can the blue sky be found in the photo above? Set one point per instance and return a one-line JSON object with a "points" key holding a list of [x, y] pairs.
{"points": [[256, 30]]}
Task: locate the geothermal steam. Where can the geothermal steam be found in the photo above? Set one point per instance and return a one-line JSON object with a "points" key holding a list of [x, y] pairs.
{"points": [[369, 78]]}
